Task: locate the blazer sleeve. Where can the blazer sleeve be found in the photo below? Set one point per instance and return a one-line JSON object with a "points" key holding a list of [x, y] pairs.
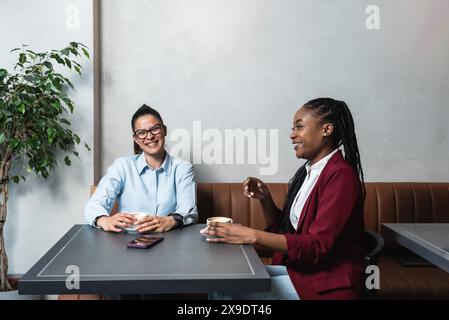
{"points": [[337, 202]]}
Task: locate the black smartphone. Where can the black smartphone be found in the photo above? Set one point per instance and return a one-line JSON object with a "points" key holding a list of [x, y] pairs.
{"points": [[144, 242]]}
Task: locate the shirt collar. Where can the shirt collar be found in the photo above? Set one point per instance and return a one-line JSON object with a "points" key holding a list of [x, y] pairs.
{"points": [[319, 166], [142, 164]]}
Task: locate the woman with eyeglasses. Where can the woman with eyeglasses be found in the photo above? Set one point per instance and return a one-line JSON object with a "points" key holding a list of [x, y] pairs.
{"points": [[150, 182], [317, 237]]}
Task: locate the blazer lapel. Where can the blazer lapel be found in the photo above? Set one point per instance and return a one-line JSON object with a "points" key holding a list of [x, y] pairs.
{"points": [[305, 210]]}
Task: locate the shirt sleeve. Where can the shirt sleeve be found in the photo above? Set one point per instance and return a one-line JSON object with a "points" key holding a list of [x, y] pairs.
{"points": [[106, 193], [336, 205], [186, 196]]}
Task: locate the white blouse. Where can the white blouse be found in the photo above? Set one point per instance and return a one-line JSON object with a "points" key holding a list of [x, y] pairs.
{"points": [[313, 173]]}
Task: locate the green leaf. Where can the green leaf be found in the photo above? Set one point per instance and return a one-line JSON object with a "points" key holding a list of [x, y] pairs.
{"points": [[69, 104], [29, 78], [67, 160], [77, 69], [2, 137], [48, 65], [86, 53], [15, 49], [21, 108], [51, 132], [3, 73], [68, 63], [13, 143], [65, 121], [56, 104], [87, 147], [69, 83], [65, 52], [22, 58], [58, 59], [74, 44], [15, 179], [57, 83], [74, 51]]}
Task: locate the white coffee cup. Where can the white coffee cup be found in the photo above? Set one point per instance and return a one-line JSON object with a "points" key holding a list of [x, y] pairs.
{"points": [[138, 216], [219, 219]]}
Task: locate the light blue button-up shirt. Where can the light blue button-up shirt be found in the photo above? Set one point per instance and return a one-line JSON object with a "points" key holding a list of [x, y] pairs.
{"points": [[139, 188]]}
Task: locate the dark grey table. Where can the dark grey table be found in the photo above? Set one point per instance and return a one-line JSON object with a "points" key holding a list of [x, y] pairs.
{"points": [[428, 240], [182, 263]]}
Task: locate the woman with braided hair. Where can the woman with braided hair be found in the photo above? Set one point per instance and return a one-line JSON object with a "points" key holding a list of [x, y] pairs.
{"points": [[317, 237]]}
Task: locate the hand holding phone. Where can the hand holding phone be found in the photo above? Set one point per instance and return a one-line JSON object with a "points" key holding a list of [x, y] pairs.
{"points": [[144, 242]]}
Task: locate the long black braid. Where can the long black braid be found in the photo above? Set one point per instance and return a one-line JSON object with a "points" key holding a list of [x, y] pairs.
{"points": [[337, 113]]}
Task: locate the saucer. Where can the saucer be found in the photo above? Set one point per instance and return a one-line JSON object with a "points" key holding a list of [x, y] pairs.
{"points": [[129, 230], [206, 235]]}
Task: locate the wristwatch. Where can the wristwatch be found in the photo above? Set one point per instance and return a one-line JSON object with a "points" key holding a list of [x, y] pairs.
{"points": [[94, 223], [179, 220]]}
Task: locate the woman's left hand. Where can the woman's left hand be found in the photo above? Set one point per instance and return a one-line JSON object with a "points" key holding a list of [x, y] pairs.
{"points": [[155, 224], [230, 233]]}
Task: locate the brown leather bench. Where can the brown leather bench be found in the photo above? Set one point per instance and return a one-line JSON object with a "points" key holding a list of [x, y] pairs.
{"points": [[407, 203], [385, 203]]}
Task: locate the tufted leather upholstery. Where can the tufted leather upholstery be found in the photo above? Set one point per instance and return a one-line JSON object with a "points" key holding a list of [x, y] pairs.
{"points": [[405, 202], [385, 203]]}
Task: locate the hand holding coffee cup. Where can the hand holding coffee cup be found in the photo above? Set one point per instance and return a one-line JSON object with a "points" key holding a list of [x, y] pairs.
{"points": [[223, 230], [210, 225], [116, 223], [138, 216]]}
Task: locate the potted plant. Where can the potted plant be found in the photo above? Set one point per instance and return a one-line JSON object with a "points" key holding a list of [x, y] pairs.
{"points": [[34, 128]]}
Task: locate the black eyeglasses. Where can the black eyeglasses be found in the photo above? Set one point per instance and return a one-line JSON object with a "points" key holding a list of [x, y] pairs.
{"points": [[142, 133]]}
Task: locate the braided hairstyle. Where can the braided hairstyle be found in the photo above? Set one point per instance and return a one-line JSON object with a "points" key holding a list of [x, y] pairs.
{"points": [[337, 113]]}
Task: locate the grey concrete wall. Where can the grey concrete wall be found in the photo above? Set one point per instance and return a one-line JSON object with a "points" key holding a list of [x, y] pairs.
{"points": [[250, 63], [39, 211]]}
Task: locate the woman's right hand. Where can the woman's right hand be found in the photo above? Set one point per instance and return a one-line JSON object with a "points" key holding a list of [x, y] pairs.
{"points": [[255, 188], [114, 222]]}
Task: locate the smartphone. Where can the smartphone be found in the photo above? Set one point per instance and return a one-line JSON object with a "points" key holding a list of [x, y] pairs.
{"points": [[144, 242]]}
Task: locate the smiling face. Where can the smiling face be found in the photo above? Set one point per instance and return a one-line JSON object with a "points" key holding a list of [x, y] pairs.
{"points": [[152, 144], [311, 138]]}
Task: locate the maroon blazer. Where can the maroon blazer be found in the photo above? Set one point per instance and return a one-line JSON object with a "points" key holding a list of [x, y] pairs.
{"points": [[325, 252]]}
